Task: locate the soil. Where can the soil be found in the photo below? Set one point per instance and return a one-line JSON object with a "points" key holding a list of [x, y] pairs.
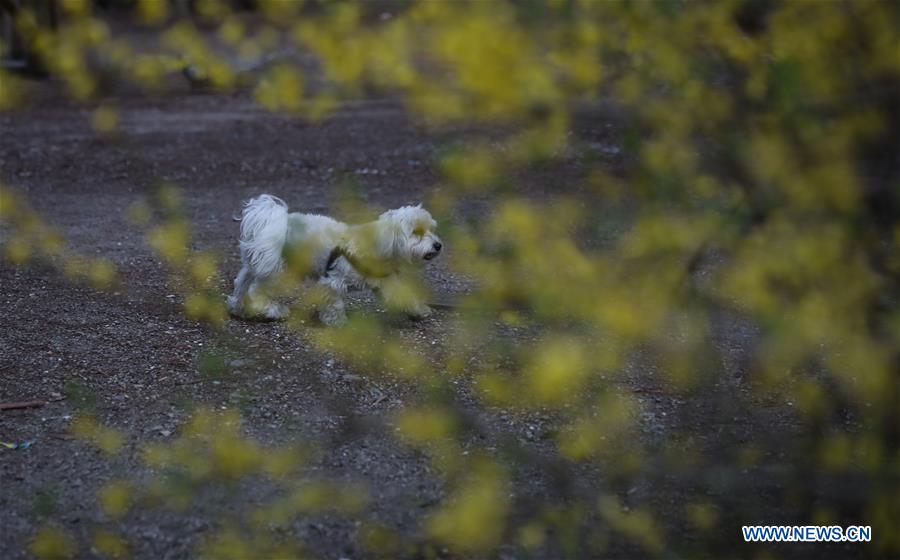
{"points": [[132, 359]]}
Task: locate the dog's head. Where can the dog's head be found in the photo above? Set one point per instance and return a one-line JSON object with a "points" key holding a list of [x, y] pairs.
{"points": [[410, 234]]}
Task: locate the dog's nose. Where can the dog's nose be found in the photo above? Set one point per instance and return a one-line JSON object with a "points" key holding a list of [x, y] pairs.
{"points": [[437, 245]]}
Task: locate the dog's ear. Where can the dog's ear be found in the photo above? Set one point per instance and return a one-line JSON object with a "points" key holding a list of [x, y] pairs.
{"points": [[387, 239], [389, 235]]}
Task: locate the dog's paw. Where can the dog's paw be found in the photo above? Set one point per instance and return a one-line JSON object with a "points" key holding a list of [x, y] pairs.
{"points": [[271, 312], [275, 312], [330, 319], [332, 314], [420, 313], [235, 310]]}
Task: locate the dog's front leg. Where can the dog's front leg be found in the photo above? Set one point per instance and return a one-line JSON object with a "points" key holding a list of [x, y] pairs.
{"points": [[401, 293], [331, 311]]}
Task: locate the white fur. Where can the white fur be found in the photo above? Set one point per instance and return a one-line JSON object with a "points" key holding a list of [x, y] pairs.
{"points": [[378, 255]]}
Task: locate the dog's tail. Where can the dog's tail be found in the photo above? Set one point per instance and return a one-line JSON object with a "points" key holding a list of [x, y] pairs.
{"points": [[264, 225]]}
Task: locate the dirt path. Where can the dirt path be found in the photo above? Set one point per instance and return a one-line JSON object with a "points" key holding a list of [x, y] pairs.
{"points": [[132, 358]]}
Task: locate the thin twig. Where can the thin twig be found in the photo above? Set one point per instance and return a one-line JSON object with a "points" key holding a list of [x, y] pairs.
{"points": [[22, 404]]}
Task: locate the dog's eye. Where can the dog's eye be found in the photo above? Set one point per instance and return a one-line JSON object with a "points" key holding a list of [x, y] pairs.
{"points": [[419, 231]]}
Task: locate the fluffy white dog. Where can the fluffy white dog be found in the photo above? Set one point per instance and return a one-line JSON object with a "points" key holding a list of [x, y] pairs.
{"points": [[379, 255]]}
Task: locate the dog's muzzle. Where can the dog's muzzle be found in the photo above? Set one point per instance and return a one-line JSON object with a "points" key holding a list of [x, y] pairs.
{"points": [[435, 250]]}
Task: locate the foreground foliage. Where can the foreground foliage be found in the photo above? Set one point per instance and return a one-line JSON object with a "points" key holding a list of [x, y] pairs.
{"points": [[758, 183]]}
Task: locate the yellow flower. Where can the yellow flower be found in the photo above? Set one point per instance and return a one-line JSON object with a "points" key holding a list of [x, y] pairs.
{"points": [[115, 498], [473, 518], [105, 119], [110, 545], [50, 543], [425, 425]]}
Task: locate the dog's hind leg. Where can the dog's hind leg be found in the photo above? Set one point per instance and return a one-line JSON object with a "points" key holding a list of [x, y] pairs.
{"points": [[250, 300], [261, 304], [236, 301]]}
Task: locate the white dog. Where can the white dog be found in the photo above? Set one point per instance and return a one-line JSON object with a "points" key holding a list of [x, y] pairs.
{"points": [[341, 257]]}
